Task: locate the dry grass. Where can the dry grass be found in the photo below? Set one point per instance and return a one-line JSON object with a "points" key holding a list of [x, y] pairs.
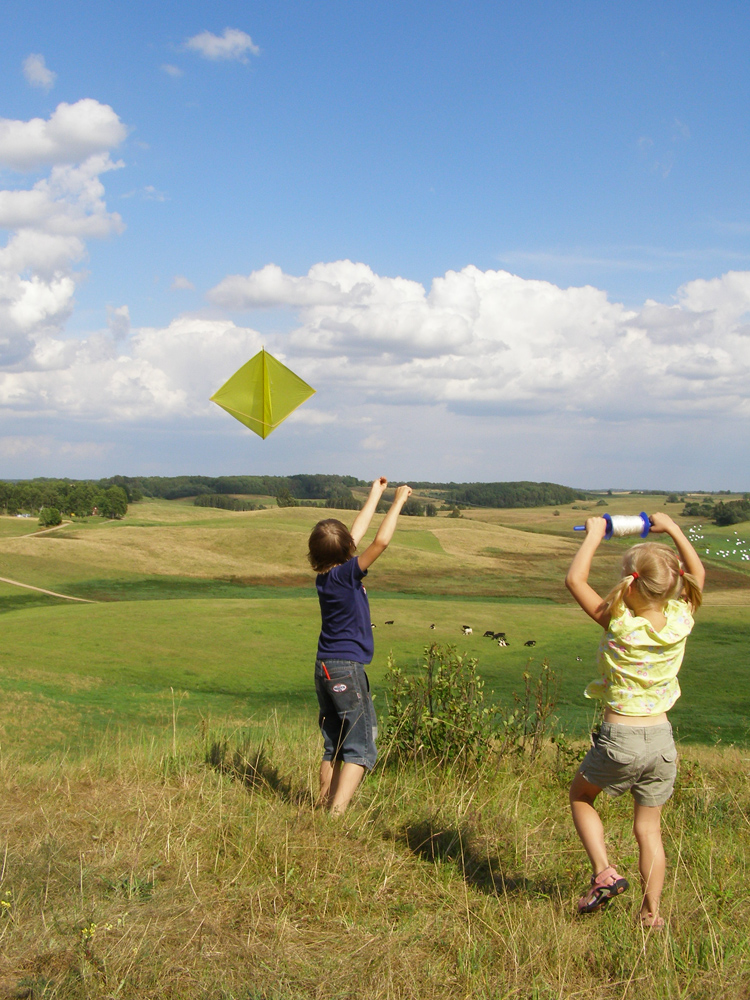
{"points": [[137, 871]]}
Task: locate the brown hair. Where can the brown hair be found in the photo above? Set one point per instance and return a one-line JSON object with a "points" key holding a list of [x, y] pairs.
{"points": [[330, 545], [658, 577]]}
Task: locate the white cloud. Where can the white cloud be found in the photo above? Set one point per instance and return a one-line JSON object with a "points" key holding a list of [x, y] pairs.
{"points": [[173, 71], [50, 222], [72, 133], [490, 342], [233, 44], [36, 72], [154, 374], [118, 321], [181, 283]]}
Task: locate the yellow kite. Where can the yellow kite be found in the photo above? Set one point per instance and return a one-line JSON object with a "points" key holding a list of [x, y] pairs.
{"points": [[262, 393]]}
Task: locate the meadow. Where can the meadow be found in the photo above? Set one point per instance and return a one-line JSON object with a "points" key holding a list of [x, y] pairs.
{"points": [[132, 867]]}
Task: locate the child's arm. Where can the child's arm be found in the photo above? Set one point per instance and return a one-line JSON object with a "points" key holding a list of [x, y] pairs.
{"points": [[663, 522], [577, 580], [362, 520], [385, 532]]}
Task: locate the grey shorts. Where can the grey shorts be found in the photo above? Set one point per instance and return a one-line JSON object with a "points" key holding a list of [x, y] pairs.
{"points": [[346, 713], [638, 759]]}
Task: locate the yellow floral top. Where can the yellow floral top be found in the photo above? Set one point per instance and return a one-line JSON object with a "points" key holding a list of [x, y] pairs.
{"points": [[639, 665]]}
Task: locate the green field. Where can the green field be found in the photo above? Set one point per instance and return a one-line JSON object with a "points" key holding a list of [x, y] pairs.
{"points": [[141, 858], [217, 609]]}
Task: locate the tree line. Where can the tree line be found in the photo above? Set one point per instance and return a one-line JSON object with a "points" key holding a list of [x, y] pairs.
{"points": [[731, 512], [53, 499]]}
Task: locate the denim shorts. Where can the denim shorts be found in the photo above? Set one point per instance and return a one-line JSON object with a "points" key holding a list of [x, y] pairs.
{"points": [[638, 759], [347, 715]]}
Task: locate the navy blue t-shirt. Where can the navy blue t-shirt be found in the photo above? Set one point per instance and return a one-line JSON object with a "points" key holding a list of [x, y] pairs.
{"points": [[346, 632]]}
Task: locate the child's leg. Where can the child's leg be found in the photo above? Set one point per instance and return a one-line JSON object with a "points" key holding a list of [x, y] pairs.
{"points": [[651, 859], [329, 770], [587, 822], [346, 781]]}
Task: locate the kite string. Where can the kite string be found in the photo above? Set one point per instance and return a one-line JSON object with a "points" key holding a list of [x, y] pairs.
{"points": [[624, 524]]}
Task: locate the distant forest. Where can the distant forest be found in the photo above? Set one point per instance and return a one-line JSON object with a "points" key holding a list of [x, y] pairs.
{"points": [[336, 491]]}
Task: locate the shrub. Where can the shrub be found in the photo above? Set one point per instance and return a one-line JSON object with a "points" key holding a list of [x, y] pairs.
{"points": [[49, 517], [439, 713], [412, 508]]}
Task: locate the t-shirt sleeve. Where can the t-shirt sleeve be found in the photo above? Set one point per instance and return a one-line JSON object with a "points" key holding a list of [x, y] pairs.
{"points": [[348, 574]]}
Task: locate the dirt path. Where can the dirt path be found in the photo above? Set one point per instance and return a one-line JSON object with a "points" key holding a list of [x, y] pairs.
{"points": [[41, 590]]}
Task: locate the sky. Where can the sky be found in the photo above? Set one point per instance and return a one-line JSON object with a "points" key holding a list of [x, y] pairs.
{"points": [[502, 241]]}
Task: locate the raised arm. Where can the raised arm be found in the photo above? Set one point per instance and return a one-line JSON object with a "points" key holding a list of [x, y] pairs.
{"points": [[688, 555], [362, 520], [385, 532], [577, 580]]}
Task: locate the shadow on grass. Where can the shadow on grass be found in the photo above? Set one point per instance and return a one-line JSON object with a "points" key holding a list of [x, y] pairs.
{"points": [[252, 768], [455, 846]]}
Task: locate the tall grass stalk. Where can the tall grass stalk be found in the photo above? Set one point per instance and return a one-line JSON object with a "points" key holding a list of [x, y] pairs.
{"points": [[126, 875]]}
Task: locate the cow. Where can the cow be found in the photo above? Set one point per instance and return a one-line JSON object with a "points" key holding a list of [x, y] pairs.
{"points": [[502, 642], [433, 625], [388, 623], [530, 642], [498, 635], [489, 634], [466, 629]]}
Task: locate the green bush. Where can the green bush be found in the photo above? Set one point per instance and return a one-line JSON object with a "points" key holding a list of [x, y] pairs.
{"points": [[49, 517], [439, 713]]}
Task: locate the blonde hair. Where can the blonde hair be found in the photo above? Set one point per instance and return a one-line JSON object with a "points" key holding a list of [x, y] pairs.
{"points": [[658, 577]]}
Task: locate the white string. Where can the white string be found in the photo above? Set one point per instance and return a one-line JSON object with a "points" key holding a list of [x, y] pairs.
{"points": [[623, 525]]}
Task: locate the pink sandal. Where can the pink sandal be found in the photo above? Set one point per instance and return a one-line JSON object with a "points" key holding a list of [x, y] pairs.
{"points": [[604, 886]]}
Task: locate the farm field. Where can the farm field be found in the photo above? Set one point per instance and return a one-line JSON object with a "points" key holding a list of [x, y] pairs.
{"points": [[158, 766]]}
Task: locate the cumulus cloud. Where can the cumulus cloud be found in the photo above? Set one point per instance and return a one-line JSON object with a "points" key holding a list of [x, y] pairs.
{"points": [[155, 373], [50, 222], [489, 342], [233, 44], [118, 321], [72, 133], [36, 72], [181, 283]]}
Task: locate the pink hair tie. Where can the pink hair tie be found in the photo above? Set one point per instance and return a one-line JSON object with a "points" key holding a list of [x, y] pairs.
{"points": [[682, 572]]}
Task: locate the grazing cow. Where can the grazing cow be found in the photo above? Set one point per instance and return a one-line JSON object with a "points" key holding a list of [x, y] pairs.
{"points": [[388, 623], [466, 629], [502, 642], [489, 634], [578, 659], [498, 635], [373, 625], [530, 642], [433, 625]]}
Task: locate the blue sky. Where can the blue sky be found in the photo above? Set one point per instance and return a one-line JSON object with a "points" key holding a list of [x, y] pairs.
{"points": [[502, 241]]}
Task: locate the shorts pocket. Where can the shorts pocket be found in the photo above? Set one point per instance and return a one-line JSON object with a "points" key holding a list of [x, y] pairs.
{"points": [[344, 693], [618, 756], [670, 756]]}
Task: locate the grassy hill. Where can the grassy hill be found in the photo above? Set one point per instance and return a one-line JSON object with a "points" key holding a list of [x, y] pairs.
{"points": [[131, 867]]}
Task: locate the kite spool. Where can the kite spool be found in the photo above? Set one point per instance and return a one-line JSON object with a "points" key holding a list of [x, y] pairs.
{"points": [[623, 525]]}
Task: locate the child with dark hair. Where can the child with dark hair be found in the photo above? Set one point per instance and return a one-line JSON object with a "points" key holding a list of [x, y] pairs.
{"points": [[646, 617], [347, 715]]}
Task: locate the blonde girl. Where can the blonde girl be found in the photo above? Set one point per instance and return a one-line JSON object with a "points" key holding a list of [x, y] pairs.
{"points": [[646, 619]]}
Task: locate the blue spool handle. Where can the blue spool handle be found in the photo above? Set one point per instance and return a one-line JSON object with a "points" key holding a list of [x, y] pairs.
{"points": [[608, 518]]}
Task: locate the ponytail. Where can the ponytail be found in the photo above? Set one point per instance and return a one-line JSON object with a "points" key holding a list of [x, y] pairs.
{"points": [[691, 592], [612, 603], [655, 571]]}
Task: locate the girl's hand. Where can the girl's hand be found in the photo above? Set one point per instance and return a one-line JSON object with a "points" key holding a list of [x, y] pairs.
{"points": [[662, 523], [596, 527], [402, 494], [379, 486]]}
